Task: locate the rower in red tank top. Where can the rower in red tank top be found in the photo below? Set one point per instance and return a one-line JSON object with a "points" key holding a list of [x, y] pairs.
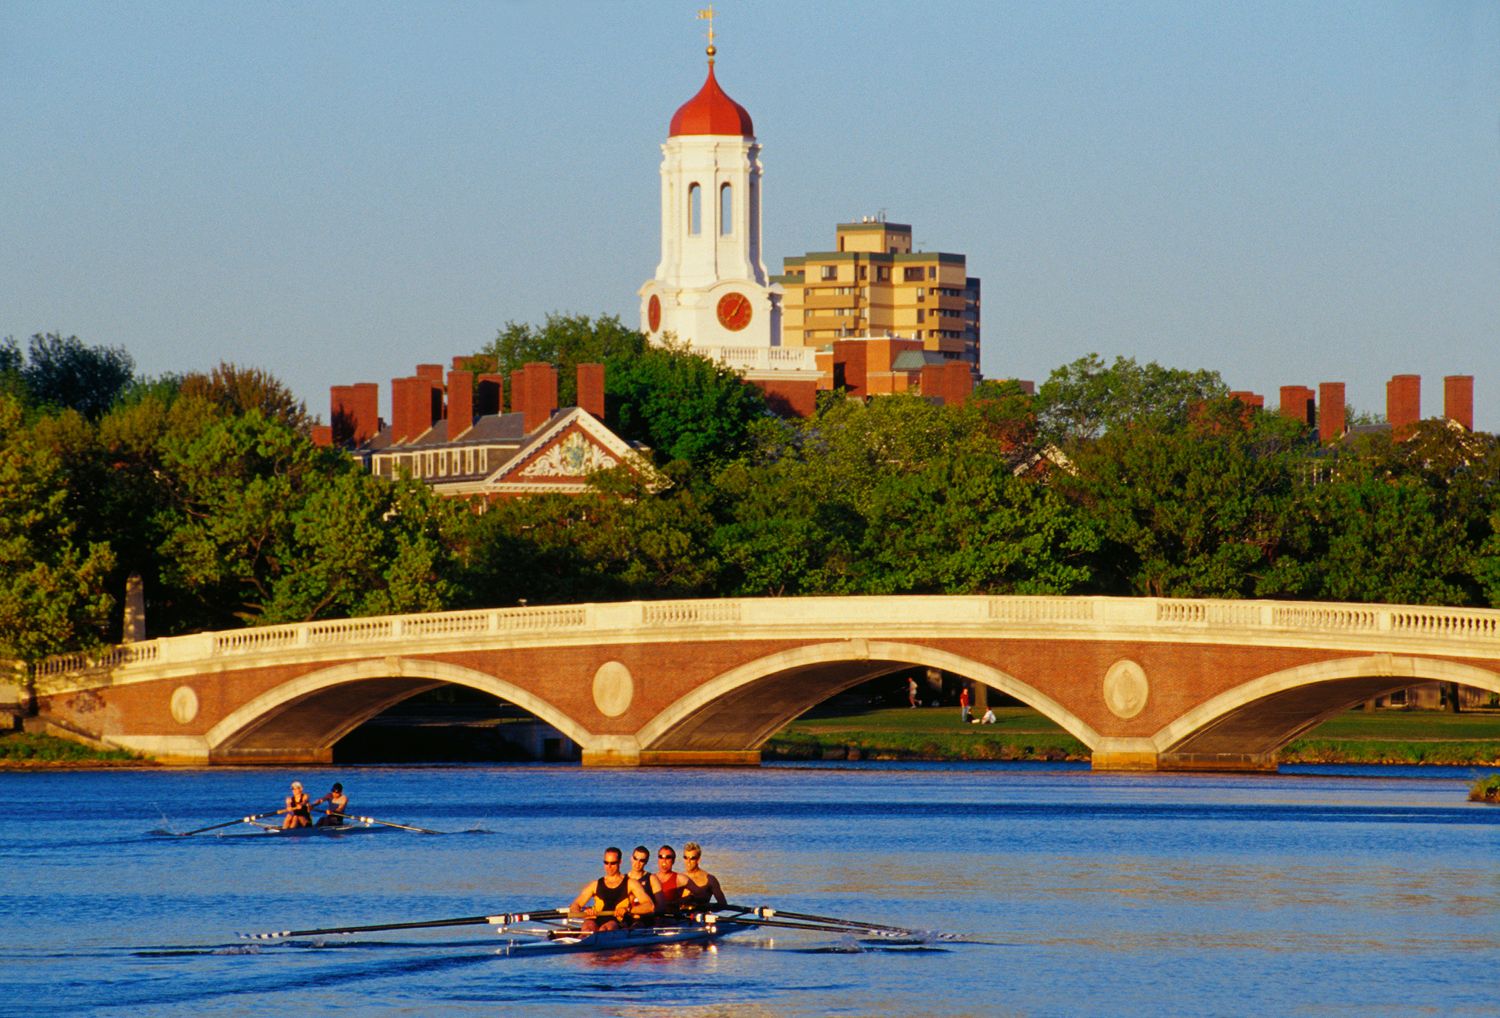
{"points": [[666, 883]]}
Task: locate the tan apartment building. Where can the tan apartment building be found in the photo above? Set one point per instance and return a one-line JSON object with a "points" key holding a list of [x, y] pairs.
{"points": [[875, 285]]}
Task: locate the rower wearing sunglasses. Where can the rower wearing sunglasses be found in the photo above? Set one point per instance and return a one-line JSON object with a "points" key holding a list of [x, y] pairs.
{"points": [[700, 888], [604, 904], [666, 883]]}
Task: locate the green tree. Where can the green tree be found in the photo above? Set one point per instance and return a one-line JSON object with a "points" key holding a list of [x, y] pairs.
{"points": [[51, 585], [62, 371], [1202, 510], [1086, 398], [237, 390], [685, 407], [563, 340]]}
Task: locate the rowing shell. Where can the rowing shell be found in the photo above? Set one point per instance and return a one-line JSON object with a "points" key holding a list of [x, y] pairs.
{"points": [[329, 830], [631, 938]]}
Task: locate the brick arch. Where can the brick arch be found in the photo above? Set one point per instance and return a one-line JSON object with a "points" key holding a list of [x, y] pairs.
{"points": [[1263, 715], [321, 707], [743, 707]]}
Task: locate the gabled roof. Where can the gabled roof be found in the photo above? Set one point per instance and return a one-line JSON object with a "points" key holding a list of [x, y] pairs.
{"points": [[558, 458]]}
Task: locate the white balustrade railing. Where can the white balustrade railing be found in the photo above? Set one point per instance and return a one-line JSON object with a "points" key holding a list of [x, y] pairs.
{"points": [[1462, 627]]}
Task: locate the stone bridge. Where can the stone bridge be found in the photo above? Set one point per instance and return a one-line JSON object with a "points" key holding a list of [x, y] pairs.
{"points": [[1144, 683]]}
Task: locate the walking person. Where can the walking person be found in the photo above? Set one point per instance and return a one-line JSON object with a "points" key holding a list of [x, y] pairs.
{"points": [[911, 690]]}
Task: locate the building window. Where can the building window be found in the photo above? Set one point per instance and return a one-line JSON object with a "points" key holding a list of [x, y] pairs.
{"points": [[883, 274], [864, 272], [921, 315], [921, 293], [932, 272], [695, 209], [726, 210], [830, 272], [912, 275]]}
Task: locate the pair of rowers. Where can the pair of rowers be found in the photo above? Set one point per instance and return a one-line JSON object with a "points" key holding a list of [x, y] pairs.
{"points": [[298, 809], [621, 897]]}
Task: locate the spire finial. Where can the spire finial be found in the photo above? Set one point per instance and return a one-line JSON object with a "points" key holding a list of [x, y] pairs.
{"points": [[707, 14]]}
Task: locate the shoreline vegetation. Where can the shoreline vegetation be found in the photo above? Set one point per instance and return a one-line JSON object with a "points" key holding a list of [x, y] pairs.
{"points": [[1399, 737], [1396, 737], [25, 751]]}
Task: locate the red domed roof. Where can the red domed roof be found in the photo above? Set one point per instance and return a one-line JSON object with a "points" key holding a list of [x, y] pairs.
{"points": [[711, 112]]}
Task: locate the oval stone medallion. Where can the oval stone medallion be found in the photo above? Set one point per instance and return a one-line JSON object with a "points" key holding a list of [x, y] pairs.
{"points": [[613, 689], [184, 704], [1125, 688]]}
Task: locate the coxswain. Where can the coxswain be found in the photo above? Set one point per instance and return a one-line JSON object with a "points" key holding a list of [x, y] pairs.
{"points": [[298, 810], [700, 888], [338, 805], [604, 903], [666, 883]]}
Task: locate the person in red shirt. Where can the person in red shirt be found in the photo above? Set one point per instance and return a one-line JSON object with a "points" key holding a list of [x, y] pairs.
{"points": [[963, 705]]}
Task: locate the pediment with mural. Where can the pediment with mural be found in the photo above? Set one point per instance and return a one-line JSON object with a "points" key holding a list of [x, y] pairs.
{"points": [[573, 456]]}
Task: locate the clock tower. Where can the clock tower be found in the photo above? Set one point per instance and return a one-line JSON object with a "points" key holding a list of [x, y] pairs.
{"points": [[711, 288]]}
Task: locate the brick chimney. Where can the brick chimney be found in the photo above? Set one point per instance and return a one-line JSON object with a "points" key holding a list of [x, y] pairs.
{"points": [[1252, 400], [1403, 404], [932, 381], [958, 382], [460, 403], [1458, 400], [518, 391], [591, 389], [431, 372], [354, 413], [416, 403], [540, 380], [1331, 423], [490, 399], [1297, 403]]}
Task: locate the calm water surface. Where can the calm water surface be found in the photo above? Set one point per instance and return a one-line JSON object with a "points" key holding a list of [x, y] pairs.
{"points": [[1357, 892]]}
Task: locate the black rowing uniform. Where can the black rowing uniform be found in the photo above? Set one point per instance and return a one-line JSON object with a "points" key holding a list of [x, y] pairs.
{"points": [[610, 896]]}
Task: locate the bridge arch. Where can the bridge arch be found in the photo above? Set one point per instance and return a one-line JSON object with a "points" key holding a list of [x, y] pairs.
{"points": [[315, 710], [743, 707], [1263, 715]]}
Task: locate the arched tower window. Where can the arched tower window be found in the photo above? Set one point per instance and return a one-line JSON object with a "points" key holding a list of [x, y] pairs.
{"points": [[695, 209], [726, 210]]}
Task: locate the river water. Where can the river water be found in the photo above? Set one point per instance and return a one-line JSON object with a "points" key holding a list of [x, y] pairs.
{"points": [[1352, 892]]}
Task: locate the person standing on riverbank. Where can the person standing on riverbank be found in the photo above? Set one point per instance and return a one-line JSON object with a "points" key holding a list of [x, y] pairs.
{"points": [[911, 691], [963, 705]]}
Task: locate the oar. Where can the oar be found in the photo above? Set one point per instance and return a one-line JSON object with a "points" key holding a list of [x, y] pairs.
{"points": [[767, 913], [372, 820], [503, 919], [230, 823], [801, 925]]}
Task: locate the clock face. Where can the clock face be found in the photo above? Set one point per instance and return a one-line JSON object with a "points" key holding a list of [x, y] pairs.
{"points": [[734, 311], [653, 313]]}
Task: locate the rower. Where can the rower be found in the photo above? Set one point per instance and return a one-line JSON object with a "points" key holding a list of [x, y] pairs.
{"points": [[604, 903], [666, 883], [298, 810], [639, 857], [338, 805], [700, 888]]}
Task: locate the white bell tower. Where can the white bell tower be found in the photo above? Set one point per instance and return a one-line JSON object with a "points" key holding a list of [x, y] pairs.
{"points": [[711, 288]]}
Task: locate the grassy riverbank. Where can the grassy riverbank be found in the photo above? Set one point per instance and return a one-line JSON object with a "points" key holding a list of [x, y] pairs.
{"points": [[20, 750], [934, 733]]}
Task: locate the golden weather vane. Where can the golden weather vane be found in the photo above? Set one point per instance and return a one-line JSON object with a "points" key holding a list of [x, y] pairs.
{"points": [[707, 14]]}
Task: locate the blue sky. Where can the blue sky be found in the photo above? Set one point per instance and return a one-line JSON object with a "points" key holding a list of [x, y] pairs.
{"points": [[1287, 193]]}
